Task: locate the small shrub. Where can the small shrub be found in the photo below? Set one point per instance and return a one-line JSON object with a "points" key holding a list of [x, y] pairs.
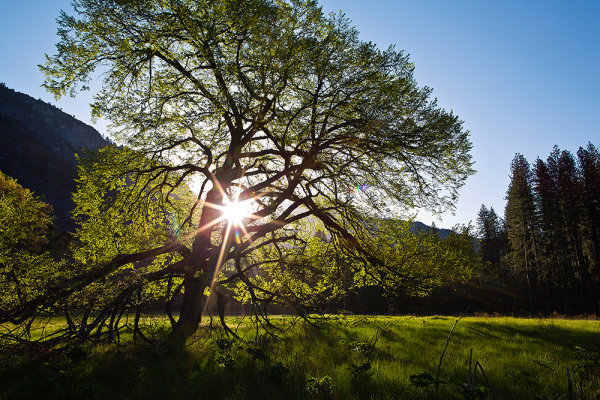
{"points": [[361, 348], [320, 387], [424, 379], [225, 344], [473, 392], [224, 359], [586, 368], [226, 352]]}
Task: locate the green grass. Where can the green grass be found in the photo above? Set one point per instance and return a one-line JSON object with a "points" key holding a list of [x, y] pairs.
{"points": [[523, 359]]}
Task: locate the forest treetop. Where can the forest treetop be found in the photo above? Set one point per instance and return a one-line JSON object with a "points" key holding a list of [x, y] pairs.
{"points": [[254, 99]]}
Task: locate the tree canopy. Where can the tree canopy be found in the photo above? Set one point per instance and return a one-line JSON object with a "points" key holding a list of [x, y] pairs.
{"points": [[25, 267], [271, 104]]}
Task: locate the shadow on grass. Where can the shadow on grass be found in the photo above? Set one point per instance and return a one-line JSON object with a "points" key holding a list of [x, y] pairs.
{"points": [[306, 363], [548, 333], [137, 373]]}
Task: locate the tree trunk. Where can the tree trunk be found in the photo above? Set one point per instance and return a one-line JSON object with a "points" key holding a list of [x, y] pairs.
{"points": [[208, 260]]}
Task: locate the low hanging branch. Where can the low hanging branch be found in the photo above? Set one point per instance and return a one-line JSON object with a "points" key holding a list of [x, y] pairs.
{"points": [[62, 290]]}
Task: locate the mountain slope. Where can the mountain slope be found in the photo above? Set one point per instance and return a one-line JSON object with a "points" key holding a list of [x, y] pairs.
{"points": [[38, 143], [417, 226]]}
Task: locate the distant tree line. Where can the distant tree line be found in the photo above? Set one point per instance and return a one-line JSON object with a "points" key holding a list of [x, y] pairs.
{"points": [[544, 255]]}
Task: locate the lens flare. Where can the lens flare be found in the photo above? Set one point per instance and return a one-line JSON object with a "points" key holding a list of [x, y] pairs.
{"points": [[236, 211]]}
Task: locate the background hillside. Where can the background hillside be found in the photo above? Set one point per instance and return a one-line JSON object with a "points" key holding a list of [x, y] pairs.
{"points": [[38, 143]]}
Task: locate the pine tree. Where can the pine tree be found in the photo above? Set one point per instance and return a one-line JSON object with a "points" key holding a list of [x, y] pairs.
{"points": [[569, 192], [552, 257], [492, 240], [522, 226], [589, 175]]}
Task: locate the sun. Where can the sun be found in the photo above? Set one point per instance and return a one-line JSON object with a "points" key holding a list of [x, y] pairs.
{"points": [[236, 211]]}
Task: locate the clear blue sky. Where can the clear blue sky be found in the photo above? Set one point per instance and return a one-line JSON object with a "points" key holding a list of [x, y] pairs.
{"points": [[523, 75]]}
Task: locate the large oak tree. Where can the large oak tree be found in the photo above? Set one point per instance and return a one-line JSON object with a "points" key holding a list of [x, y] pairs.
{"points": [[267, 103]]}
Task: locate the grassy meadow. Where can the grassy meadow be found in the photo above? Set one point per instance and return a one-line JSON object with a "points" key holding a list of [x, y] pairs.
{"points": [[349, 357]]}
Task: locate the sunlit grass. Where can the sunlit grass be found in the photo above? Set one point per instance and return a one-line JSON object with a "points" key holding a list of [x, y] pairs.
{"points": [[523, 358]]}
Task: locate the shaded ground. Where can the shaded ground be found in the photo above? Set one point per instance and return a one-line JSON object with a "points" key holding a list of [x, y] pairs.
{"points": [[346, 358]]}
